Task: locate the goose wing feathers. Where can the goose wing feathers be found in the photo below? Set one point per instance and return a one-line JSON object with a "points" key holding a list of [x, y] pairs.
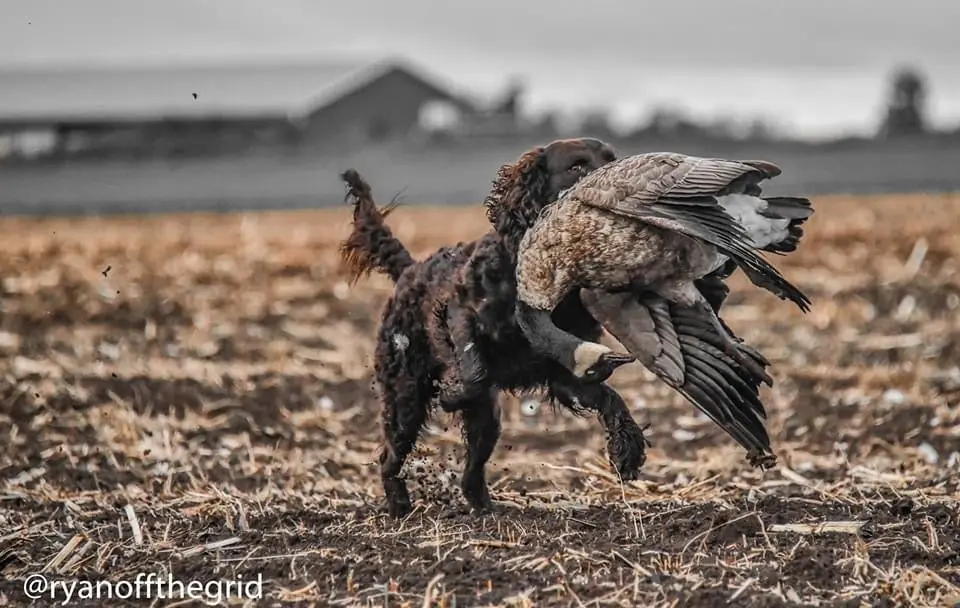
{"points": [[683, 349], [679, 193]]}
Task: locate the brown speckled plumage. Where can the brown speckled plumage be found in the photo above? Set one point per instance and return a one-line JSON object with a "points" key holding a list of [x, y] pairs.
{"points": [[575, 244], [651, 219], [645, 238]]}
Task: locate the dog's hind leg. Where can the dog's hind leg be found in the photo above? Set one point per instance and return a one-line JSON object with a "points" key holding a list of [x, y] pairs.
{"points": [[405, 406], [465, 378], [481, 431]]}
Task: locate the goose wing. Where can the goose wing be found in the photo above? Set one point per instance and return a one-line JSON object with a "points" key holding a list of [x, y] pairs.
{"points": [[679, 193], [683, 349]]}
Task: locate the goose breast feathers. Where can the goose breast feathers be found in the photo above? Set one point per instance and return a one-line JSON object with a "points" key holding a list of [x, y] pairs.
{"points": [[679, 193]]}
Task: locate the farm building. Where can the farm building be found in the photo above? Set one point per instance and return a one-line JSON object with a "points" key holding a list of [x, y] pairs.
{"points": [[209, 109]]}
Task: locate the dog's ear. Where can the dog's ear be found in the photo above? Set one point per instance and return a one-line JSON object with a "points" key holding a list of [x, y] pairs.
{"points": [[518, 194]]}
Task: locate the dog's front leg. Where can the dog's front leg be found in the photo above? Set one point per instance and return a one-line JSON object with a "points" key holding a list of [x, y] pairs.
{"points": [[626, 444]]}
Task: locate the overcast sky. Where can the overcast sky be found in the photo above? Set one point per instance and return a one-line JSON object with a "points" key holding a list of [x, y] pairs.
{"points": [[815, 65]]}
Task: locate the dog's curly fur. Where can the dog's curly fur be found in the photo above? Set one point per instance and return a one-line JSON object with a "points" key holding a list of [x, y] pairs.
{"points": [[471, 287]]}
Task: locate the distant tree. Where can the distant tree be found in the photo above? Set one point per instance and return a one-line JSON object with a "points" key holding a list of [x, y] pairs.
{"points": [[667, 121], [596, 122], [546, 126], [509, 103], [761, 129], [724, 127], [672, 124], [906, 105]]}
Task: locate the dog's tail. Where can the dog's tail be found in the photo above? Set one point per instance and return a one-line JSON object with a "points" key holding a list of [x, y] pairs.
{"points": [[371, 245]]}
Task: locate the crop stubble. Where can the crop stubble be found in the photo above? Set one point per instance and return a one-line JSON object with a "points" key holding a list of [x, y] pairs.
{"points": [[217, 379]]}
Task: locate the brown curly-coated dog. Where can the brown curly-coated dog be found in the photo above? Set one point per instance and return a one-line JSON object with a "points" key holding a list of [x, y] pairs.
{"points": [[413, 351]]}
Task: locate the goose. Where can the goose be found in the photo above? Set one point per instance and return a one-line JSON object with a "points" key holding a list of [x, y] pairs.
{"points": [[639, 237]]}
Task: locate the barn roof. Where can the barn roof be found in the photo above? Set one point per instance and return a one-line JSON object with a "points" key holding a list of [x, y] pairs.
{"points": [[229, 91]]}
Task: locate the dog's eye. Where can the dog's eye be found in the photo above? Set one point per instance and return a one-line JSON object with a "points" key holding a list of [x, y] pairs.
{"points": [[579, 167]]}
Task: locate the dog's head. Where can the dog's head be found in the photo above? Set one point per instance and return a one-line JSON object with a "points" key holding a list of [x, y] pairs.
{"points": [[524, 188]]}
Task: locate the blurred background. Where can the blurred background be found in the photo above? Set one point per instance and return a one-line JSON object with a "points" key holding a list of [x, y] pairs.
{"points": [[114, 106]]}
